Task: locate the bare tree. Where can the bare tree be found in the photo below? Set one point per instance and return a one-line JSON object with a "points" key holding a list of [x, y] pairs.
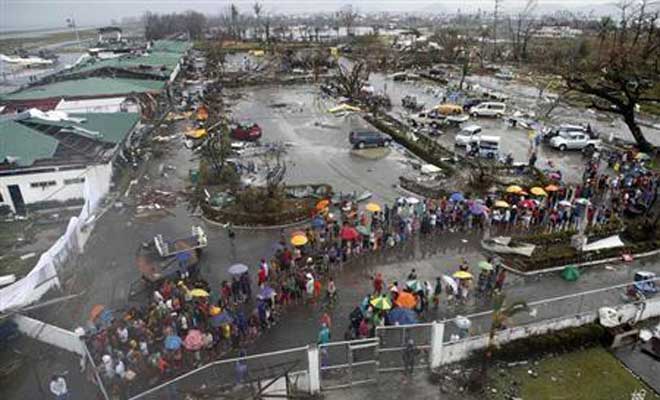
{"points": [[257, 8], [624, 76], [347, 17], [351, 80], [521, 30]]}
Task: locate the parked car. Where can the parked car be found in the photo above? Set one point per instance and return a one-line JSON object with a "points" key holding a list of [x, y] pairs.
{"points": [[488, 109], [505, 75], [362, 139], [449, 109], [573, 140], [246, 131], [469, 103], [411, 103], [431, 118], [468, 134], [489, 147]]}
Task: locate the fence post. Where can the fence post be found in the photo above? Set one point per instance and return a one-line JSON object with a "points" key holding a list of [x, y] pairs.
{"points": [[313, 369], [437, 337]]}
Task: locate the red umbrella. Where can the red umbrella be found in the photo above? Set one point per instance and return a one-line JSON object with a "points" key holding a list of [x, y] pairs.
{"points": [[349, 233], [529, 203]]}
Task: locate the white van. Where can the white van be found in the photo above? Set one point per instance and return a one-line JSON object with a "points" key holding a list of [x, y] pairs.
{"points": [[489, 147], [488, 109]]}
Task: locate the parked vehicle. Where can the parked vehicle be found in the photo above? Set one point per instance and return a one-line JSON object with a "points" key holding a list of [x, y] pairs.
{"points": [[468, 134], [362, 139], [246, 131], [644, 286], [489, 147], [430, 118], [573, 140], [448, 109], [488, 109], [410, 103], [564, 128], [469, 103]]}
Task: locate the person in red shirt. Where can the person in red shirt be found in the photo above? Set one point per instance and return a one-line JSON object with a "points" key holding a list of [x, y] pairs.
{"points": [[261, 276], [378, 283], [317, 289]]}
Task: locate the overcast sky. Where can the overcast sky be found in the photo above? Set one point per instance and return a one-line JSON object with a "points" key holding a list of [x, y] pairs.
{"points": [[33, 14]]}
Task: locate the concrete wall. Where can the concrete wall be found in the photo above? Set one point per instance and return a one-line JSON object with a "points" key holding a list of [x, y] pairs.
{"points": [[462, 349], [59, 191]]}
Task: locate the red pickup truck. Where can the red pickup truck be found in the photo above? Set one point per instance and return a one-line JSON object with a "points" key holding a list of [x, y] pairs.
{"points": [[246, 132]]}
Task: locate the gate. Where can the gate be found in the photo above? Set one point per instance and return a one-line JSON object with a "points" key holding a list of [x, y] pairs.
{"points": [[348, 363], [393, 339]]}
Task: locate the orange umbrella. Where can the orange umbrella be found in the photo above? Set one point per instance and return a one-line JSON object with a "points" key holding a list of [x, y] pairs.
{"points": [[551, 188], [97, 309], [406, 300], [322, 204]]}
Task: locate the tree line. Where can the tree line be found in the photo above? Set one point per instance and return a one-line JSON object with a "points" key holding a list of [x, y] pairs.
{"points": [[160, 26]]}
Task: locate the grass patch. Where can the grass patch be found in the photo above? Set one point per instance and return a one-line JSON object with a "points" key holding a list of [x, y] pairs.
{"points": [[11, 44], [582, 375], [12, 264]]}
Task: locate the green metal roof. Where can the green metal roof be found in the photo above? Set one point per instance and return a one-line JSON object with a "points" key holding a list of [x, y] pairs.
{"points": [[171, 46], [156, 61], [86, 87], [111, 127], [25, 144]]}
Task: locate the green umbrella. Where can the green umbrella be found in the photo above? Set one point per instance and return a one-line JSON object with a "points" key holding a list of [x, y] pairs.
{"points": [[363, 230], [381, 303], [570, 273], [485, 265], [415, 286]]}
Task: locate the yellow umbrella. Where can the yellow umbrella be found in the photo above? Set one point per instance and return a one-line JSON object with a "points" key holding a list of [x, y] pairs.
{"points": [[538, 191], [299, 240], [372, 207], [501, 204], [214, 310], [199, 293], [462, 275], [514, 189]]}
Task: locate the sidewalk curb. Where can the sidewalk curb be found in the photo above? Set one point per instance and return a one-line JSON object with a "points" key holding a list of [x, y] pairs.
{"points": [[257, 228], [584, 264]]}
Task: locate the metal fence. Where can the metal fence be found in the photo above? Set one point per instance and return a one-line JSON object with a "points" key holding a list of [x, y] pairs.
{"points": [[547, 309], [348, 363], [249, 375], [393, 340]]}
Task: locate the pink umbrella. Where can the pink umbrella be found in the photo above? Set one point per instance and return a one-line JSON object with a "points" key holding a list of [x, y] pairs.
{"points": [[193, 340], [529, 203]]}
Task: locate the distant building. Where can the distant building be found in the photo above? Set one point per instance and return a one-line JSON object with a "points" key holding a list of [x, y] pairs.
{"points": [[109, 34], [45, 158], [557, 32]]}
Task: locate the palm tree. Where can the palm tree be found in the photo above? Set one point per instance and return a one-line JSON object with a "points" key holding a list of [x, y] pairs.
{"points": [[501, 318]]}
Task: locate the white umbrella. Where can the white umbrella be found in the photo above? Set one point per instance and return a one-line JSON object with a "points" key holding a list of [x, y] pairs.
{"points": [[450, 282], [462, 322], [412, 200], [238, 269]]}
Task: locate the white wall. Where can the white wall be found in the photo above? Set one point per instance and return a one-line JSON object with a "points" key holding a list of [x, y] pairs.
{"points": [[58, 192], [50, 334]]}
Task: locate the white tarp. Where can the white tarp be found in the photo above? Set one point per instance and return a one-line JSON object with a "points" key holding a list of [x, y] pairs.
{"points": [[43, 276], [430, 169], [607, 243], [50, 334]]}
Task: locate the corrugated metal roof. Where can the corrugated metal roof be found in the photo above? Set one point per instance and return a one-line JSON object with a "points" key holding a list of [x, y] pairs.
{"points": [[88, 87], [73, 105], [24, 144], [158, 63], [172, 46], [105, 127]]}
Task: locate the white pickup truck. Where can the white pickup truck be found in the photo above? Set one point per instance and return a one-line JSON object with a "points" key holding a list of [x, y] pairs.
{"points": [[573, 140]]}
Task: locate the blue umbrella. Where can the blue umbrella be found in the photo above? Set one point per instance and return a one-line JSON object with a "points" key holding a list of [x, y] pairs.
{"points": [[401, 316], [221, 319], [266, 292], [172, 343], [477, 209], [318, 223], [456, 197]]}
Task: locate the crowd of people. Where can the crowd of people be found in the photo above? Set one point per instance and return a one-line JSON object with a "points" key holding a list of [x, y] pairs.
{"points": [[189, 322]]}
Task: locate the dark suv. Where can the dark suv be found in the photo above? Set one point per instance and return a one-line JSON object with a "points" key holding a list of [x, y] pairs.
{"points": [[362, 139]]}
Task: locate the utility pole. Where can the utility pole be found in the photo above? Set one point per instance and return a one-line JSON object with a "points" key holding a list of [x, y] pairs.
{"points": [[71, 23], [495, 21]]}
